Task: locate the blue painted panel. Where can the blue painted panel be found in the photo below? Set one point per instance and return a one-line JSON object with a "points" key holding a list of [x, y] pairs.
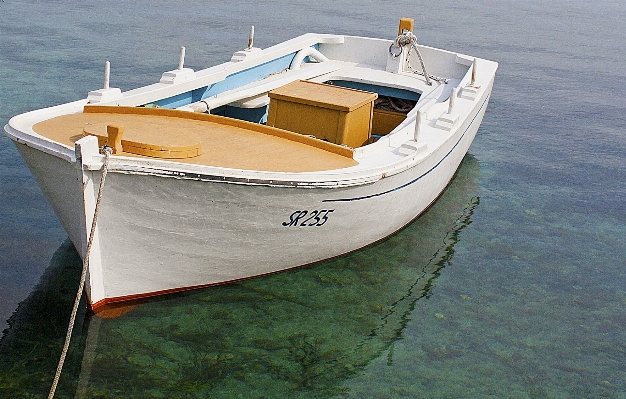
{"points": [[232, 81], [176, 101], [381, 90], [247, 76], [256, 115], [221, 111]]}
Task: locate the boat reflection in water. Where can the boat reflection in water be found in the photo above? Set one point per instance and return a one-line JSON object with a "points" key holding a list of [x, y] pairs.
{"points": [[299, 333]]}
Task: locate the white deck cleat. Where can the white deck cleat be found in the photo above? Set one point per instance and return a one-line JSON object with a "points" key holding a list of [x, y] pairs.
{"points": [[446, 121], [104, 95], [246, 54], [470, 92], [411, 148], [178, 76]]}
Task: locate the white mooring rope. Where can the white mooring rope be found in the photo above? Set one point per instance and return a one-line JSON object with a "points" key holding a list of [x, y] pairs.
{"points": [[107, 152], [407, 38]]}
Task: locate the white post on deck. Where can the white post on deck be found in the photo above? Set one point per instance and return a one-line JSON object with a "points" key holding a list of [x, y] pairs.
{"points": [[473, 79], [251, 38], [107, 74], [453, 95], [418, 123], [181, 62]]}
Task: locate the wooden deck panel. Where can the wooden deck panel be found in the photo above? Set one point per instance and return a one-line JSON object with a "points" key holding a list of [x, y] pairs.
{"points": [[224, 142]]}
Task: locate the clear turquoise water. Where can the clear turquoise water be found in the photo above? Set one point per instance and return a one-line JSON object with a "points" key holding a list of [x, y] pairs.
{"points": [[513, 285]]}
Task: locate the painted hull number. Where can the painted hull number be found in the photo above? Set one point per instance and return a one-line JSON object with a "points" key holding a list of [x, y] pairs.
{"points": [[306, 218]]}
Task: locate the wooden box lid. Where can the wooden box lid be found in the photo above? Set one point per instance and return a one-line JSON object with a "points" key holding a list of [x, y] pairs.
{"points": [[323, 95]]}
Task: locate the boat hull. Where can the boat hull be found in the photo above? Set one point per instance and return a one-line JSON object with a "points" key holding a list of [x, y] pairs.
{"points": [[159, 234], [230, 213]]}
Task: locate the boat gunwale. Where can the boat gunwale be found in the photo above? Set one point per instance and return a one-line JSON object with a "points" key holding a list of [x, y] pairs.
{"points": [[346, 177], [340, 178], [20, 130]]}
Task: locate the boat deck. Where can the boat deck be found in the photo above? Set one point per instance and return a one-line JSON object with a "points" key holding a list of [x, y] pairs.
{"points": [[202, 139]]}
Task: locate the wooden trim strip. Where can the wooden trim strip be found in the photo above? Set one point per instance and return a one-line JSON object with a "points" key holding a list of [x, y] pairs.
{"points": [[272, 131]]}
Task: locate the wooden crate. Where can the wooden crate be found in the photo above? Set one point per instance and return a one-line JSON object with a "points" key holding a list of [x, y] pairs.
{"points": [[337, 114]]}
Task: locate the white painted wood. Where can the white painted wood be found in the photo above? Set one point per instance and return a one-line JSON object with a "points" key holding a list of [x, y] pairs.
{"points": [[256, 89], [165, 225], [306, 52], [177, 76], [107, 74]]}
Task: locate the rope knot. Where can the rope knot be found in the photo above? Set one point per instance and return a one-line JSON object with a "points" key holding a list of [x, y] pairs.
{"points": [[404, 39], [408, 39]]}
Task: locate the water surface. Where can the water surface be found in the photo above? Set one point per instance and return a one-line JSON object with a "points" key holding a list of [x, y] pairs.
{"points": [[512, 285]]}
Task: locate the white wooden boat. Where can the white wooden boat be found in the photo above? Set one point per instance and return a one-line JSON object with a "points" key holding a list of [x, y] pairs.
{"points": [[282, 157]]}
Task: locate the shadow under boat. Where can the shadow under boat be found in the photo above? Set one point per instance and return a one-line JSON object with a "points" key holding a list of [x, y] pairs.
{"points": [[30, 347], [307, 329]]}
